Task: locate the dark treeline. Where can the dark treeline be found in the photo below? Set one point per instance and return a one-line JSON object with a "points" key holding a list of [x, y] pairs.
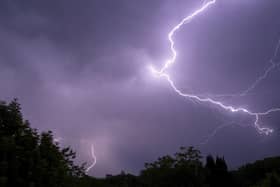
{"points": [[32, 159]]}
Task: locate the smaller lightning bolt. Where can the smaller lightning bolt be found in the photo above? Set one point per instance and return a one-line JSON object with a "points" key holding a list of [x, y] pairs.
{"points": [[273, 64], [94, 159], [215, 131]]}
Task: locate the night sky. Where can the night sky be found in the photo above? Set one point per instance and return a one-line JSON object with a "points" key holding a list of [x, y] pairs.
{"points": [[79, 68]]}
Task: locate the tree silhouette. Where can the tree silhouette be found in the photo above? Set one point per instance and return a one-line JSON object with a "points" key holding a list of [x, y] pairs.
{"points": [[28, 158], [32, 159]]}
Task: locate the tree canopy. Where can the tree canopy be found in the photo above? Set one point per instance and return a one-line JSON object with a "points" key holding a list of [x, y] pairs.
{"points": [[29, 158], [32, 159]]}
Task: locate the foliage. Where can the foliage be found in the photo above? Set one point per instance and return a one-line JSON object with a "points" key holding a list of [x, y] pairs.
{"points": [[271, 180], [258, 172], [28, 158], [184, 168], [32, 159]]}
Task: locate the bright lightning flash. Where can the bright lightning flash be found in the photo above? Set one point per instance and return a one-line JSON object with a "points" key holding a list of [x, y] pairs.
{"points": [[162, 74], [94, 159]]}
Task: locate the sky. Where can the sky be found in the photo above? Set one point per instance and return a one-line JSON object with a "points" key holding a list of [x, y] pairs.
{"points": [[79, 68]]}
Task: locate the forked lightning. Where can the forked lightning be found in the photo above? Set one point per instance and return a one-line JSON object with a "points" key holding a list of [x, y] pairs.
{"points": [[163, 74]]}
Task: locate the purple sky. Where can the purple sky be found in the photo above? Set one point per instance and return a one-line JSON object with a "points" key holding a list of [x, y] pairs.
{"points": [[79, 68]]}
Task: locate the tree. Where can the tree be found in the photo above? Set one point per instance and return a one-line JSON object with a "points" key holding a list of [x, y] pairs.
{"points": [[217, 172], [31, 159], [183, 169], [271, 180]]}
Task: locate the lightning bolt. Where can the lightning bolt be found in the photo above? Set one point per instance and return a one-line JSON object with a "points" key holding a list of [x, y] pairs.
{"points": [[162, 74], [273, 64], [215, 131], [94, 159]]}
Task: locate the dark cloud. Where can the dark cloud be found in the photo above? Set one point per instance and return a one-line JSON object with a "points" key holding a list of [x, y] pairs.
{"points": [[80, 69]]}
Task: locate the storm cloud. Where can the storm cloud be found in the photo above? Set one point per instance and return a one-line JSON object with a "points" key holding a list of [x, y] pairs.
{"points": [[79, 68]]}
